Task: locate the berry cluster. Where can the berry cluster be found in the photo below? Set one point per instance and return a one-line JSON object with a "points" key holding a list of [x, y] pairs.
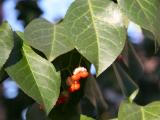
{"points": [[73, 81]]}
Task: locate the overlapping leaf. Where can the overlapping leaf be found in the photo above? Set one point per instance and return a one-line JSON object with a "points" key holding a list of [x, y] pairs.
{"points": [[145, 13], [83, 117], [37, 78], [6, 42], [128, 87], [130, 111], [47, 38], [96, 30]]}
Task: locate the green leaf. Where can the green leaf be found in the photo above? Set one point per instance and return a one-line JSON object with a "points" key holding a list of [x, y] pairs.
{"points": [[6, 43], [16, 54], [113, 119], [130, 111], [134, 63], [83, 117], [128, 87], [96, 30], [37, 78], [47, 38], [143, 12], [21, 35]]}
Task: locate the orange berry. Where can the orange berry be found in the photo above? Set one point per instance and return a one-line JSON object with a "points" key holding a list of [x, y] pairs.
{"points": [[75, 82], [71, 89], [76, 77], [77, 86], [84, 74]]}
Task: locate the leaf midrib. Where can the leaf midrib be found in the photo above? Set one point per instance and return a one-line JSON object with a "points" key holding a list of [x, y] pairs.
{"points": [[33, 75], [143, 116], [94, 26], [52, 43]]}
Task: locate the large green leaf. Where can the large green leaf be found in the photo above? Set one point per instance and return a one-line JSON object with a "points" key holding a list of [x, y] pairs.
{"points": [[37, 78], [6, 42], [143, 12], [83, 117], [130, 111], [47, 38], [96, 30]]}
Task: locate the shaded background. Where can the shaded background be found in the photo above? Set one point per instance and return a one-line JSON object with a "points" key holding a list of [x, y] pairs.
{"points": [[141, 63]]}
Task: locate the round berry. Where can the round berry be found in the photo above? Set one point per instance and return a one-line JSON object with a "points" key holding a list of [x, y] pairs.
{"points": [[76, 77], [84, 74], [71, 89], [77, 86], [74, 87]]}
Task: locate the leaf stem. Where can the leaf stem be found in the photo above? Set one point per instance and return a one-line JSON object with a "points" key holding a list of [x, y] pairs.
{"points": [[80, 61]]}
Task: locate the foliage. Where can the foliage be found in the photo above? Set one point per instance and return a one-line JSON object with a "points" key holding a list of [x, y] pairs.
{"points": [[7, 45], [92, 32], [143, 12], [136, 112]]}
